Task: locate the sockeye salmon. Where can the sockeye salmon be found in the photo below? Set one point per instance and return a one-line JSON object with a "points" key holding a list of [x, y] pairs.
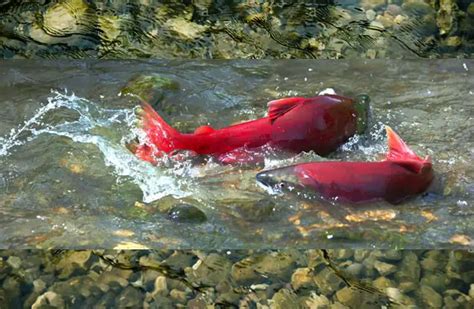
{"points": [[401, 175], [295, 124]]}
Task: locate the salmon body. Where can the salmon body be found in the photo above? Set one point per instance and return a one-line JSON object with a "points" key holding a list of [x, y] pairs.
{"points": [[401, 175], [296, 124]]}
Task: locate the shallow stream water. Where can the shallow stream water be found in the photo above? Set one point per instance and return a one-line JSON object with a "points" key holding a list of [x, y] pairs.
{"points": [[67, 178]]}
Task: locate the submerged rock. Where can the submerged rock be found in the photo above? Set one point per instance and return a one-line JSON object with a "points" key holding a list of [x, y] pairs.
{"points": [[327, 281], [456, 299], [302, 277], [14, 261], [385, 268], [151, 88], [259, 211], [254, 269], [186, 213], [410, 268], [210, 270], [350, 297], [284, 299], [48, 299], [430, 297], [161, 287], [68, 17], [186, 30]]}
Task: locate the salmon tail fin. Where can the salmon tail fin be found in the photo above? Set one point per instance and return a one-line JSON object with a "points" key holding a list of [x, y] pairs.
{"points": [[158, 132], [398, 150]]}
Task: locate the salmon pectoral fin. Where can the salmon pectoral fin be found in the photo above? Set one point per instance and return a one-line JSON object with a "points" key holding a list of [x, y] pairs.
{"points": [[277, 108]]}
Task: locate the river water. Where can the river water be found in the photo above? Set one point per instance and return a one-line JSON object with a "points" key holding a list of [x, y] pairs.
{"points": [[68, 180]]}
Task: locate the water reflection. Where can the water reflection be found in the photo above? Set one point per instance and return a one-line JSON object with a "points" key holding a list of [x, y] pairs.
{"points": [[236, 29]]}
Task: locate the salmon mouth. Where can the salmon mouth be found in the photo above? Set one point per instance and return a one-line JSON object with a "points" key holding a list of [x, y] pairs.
{"points": [[277, 181]]}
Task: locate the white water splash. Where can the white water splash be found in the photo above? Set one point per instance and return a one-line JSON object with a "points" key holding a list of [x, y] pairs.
{"points": [[155, 183]]}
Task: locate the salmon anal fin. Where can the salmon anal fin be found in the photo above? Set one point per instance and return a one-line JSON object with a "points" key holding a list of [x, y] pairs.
{"points": [[204, 129], [277, 108]]}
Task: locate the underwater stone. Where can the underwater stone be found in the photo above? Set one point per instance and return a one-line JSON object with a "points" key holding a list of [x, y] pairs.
{"points": [[327, 281], [302, 277], [384, 268], [275, 265], [72, 261], [396, 295], [433, 260], [110, 26], [430, 297], [372, 4], [407, 286], [409, 269], [341, 254], [68, 17], [360, 255], [370, 14], [284, 299], [14, 261], [39, 285], [393, 9], [185, 29], [50, 299], [455, 299], [130, 298], [316, 301], [453, 41], [446, 16], [257, 211], [350, 297], [159, 302], [392, 255], [210, 270], [355, 269], [470, 10], [381, 283], [186, 213], [417, 8], [151, 88], [161, 287], [179, 296], [436, 281]]}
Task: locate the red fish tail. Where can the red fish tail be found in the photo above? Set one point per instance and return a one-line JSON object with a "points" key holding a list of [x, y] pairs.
{"points": [[158, 132], [398, 150]]}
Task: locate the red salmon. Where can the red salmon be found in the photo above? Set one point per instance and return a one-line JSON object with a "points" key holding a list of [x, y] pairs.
{"points": [[401, 175], [296, 124]]}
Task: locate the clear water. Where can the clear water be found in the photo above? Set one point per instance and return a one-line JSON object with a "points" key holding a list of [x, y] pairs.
{"points": [[67, 178]]}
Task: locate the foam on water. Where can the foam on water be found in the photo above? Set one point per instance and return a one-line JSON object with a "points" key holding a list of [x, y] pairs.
{"points": [[154, 182]]}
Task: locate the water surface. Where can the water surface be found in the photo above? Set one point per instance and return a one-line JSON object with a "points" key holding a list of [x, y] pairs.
{"points": [[67, 178]]}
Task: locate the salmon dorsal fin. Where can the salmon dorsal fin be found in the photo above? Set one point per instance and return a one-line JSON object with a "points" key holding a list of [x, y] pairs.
{"points": [[204, 129], [277, 108], [398, 150]]}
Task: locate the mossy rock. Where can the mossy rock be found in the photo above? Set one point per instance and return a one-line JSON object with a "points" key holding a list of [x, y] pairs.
{"points": [[186, 213], [151, 88]]}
